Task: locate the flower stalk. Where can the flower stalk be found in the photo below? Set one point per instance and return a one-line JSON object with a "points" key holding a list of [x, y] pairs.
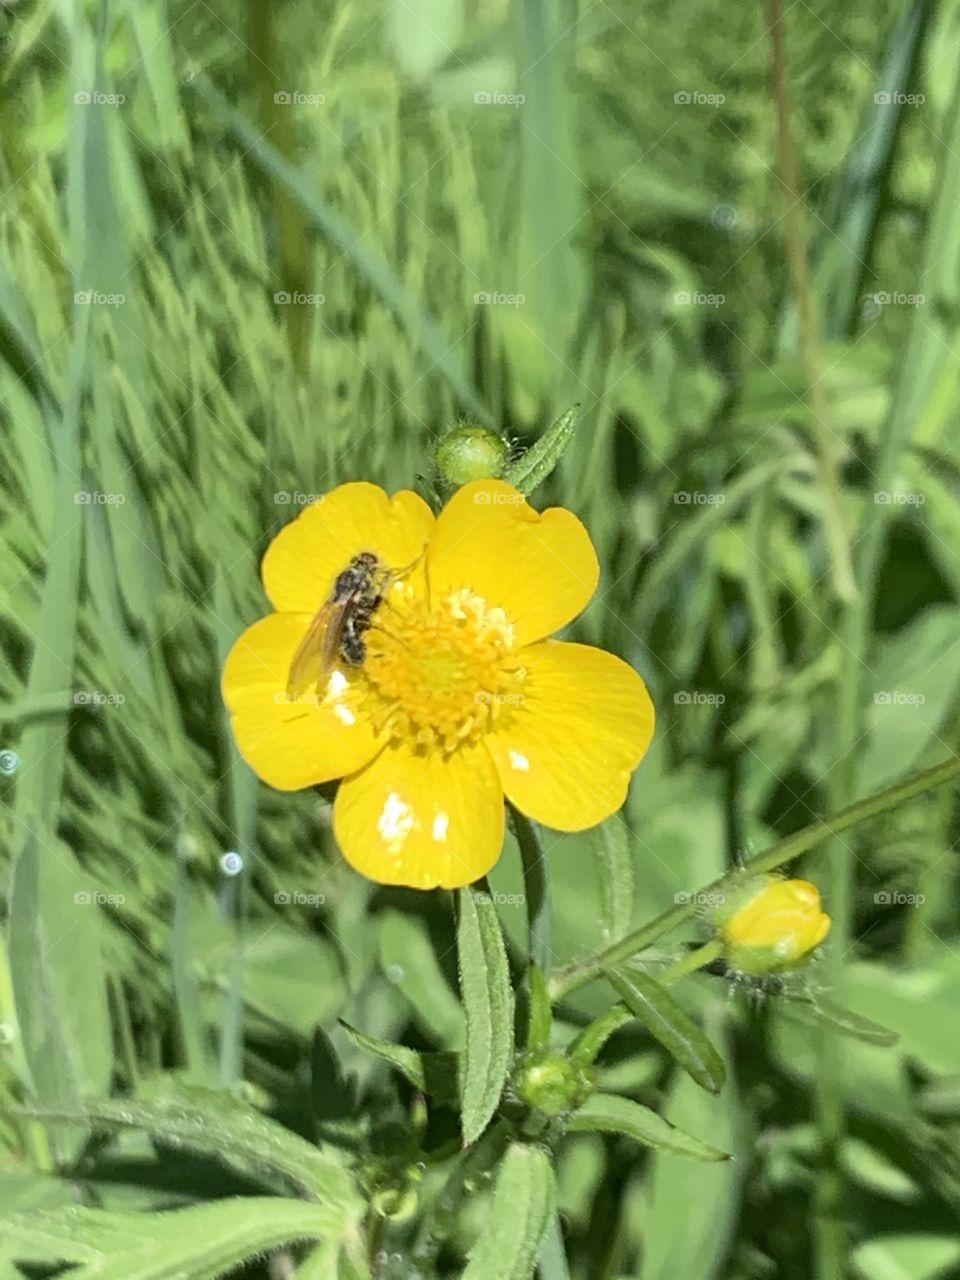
{"points": [[572, 976]]}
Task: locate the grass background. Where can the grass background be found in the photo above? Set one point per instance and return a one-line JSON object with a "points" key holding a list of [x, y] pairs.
{"points": [[153, 445]]}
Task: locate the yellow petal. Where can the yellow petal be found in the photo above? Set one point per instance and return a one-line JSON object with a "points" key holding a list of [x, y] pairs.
{"points": [[303, 560], [541, 569], [292, 743], [422, 820], [566, 750]]}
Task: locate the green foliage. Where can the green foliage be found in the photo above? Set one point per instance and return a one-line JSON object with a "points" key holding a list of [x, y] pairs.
{"points": [[606, 1113], [202, 1242], [522, 1203], [309, 292], [671, 1026], [213, 1123], [488, 1008], [61, 1006]]}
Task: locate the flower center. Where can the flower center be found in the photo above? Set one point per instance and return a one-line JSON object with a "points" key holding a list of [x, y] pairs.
{"points": [[442, 676]]}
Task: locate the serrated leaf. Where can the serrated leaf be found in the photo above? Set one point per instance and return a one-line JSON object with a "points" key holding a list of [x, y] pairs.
{"points": [[219, 1125], [433, 1073], [608, 1113], [488, 1006], [671, 1026], [524, 1198], [199, 1243]]}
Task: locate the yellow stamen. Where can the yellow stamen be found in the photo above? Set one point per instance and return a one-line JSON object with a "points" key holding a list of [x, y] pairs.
{"points": [[443, 675]]}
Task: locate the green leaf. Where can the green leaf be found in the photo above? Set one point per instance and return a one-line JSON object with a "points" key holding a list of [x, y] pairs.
{"points": [[524, 1198], [409, 961], [43, 744], [290, 977], [913, 682], [333, 1095], [424, 33], [433, 1073], [692, 1210], [349, 1267], [540, 459], [822, 1010], [614, 866], [22, 1191], [488, 1005], [856, 200], [293, 977], [671, 1026], [321, 1264], [61, 1005], [219, 1125], [200, 1243], [553, 1264], [608, 1113], [911, 1256]]}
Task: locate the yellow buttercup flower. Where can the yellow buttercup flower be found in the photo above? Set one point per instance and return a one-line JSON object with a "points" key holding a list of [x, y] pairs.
{"points": [[774, 926], [446, 695]]}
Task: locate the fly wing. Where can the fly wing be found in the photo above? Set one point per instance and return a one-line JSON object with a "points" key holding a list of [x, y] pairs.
{"points": [[317, 650]]}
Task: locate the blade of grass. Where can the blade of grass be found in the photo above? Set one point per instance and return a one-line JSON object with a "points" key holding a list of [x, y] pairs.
{"points": [[928, 346], [43, 745], [421, 327], [242, 820], [808, 323]]}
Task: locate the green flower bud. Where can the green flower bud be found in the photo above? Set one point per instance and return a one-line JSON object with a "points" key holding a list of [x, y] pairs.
{"points": [[470, 453], [552, 1084]]}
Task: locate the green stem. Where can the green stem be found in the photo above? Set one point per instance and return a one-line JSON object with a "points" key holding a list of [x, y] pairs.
{"points": [[469, 1169], [552, 1263], [807, 320], [592, 1038], [535, 888], [276, 122], [691, 962], [567, 979], [911, 400]]}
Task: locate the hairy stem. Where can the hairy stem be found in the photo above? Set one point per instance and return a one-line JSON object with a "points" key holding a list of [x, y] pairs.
{"points": [[576, 974]]}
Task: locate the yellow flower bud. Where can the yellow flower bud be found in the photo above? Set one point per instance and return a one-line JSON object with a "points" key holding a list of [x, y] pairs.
{"points": [[774, 925]]}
